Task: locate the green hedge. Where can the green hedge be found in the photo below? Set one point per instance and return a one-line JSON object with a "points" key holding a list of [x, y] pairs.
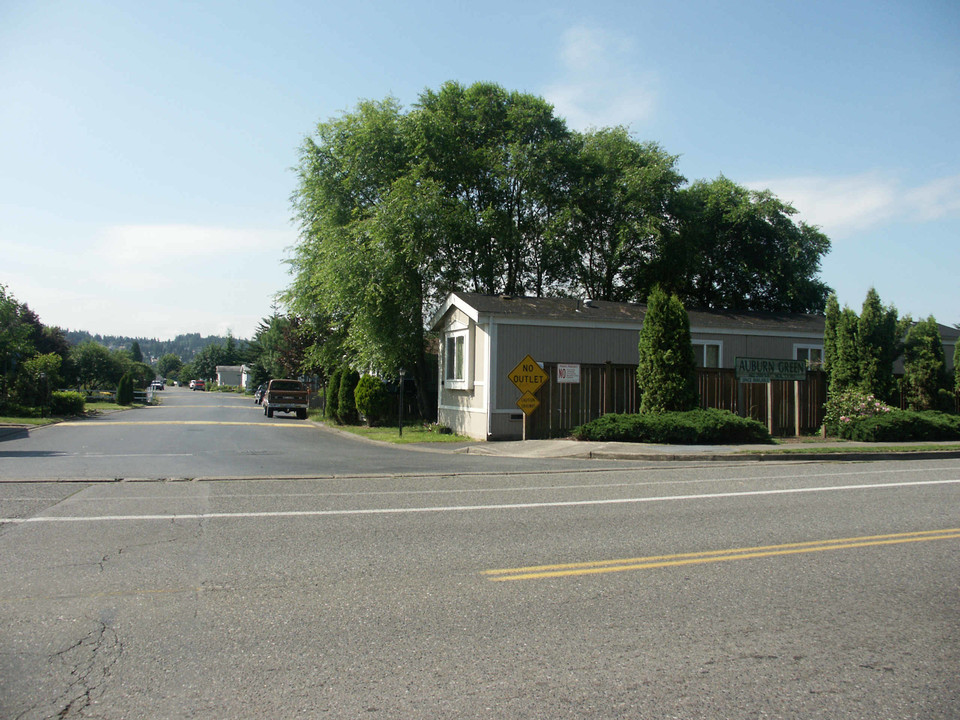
{"points": [[66, 403], [694, 427], [903, 425]]}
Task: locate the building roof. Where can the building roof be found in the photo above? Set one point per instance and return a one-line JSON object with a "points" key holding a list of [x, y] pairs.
{"points": [[603, 312]]}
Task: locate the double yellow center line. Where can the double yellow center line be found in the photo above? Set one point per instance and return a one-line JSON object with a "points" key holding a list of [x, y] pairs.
{"points": [[712, 556]]}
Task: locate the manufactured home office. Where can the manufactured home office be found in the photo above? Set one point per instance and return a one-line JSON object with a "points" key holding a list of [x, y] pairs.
{"points": [[484, 337]]}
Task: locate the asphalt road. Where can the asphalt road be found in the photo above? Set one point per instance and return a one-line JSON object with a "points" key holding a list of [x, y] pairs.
{"points": [[214, 436], [794, 590]]}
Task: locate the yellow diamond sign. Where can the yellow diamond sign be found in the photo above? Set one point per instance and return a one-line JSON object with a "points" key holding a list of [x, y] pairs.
{"points": [[528, 376], [528, 403]]}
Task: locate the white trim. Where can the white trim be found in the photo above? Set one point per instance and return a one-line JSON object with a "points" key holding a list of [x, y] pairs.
{"points": [[704, 343], [457, 408], [453, 301], [469, 340], [601, 325], [490, 388], [808, 347], [786, 334]]}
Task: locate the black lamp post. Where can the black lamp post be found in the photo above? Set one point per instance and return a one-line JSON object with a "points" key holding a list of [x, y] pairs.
{"points": [[400, 413]]}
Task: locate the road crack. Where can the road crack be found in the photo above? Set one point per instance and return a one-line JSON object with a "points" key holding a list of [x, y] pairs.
{"points": [[91, 661]]}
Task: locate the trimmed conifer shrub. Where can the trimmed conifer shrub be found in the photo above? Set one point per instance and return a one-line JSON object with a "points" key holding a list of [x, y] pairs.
{"points": [[332, 406], [667, 373], [371, 399], [924, 366], [347, 405], [125, 390]]}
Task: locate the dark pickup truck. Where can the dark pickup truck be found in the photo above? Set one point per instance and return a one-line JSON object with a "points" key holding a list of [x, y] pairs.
{"points": [[286, 396]]}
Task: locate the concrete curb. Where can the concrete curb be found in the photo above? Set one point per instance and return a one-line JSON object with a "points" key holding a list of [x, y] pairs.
{"points": [[779, 457]]}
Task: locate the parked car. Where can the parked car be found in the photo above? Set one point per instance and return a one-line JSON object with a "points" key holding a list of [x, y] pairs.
{"points": [[198, 385], [258, 394], [156, 385]]}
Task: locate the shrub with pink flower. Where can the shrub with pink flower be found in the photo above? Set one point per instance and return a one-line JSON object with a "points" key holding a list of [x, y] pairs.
{"points": [[845, 407]]}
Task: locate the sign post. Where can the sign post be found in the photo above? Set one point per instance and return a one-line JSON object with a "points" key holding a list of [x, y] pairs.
{"points": [[528, 377]]}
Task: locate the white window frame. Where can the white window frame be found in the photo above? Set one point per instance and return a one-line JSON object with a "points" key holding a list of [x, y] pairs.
{"points": [[808, 347], [700, 350], [465, 381]]}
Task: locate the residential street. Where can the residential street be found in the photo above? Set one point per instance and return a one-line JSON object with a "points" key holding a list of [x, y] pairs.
{"points": [[403, 583]]}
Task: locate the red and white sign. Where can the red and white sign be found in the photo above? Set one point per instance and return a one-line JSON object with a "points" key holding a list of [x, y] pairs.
{"points": [[568, 373]]}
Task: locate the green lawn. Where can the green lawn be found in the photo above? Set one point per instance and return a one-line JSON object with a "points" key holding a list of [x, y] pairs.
{"points": [[26, 421], [95, 408], [412, 433]]}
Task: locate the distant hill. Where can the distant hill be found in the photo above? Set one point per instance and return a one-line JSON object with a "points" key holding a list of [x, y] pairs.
{"points": [[183, 346]]}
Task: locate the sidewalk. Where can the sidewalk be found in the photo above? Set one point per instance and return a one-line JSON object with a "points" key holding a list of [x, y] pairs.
{"points": [[819, 451]]}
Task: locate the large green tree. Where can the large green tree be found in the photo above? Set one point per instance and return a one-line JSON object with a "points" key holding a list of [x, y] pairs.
{"points": [[503, 158], [278, 348], [740, 249], [15, 341], [94, 366], [618, 214], [169, 365], [667, 373]]}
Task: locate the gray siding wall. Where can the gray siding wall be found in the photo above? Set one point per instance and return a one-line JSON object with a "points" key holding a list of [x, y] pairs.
{"points": [[596, 346], [550, 344], [734, 346]]}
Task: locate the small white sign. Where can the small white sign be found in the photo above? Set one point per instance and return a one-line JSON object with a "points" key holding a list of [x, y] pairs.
{"points": [[568, 373]]}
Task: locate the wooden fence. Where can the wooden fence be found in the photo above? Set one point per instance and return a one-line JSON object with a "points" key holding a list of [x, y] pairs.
{"points": [[613, 389]]}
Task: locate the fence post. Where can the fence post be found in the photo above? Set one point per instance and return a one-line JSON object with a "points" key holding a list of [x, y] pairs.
{"points": [[796, 407]]}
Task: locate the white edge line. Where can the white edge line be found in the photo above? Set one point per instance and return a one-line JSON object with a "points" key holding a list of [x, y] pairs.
{"points": [[468, 508]]}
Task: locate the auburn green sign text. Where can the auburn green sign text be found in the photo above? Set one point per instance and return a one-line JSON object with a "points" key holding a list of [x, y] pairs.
{"points": [[763, 370]]}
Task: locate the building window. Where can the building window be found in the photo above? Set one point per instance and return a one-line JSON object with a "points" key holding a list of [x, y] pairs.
{"points": [[812, 354], [455, 358], [707, 354]]}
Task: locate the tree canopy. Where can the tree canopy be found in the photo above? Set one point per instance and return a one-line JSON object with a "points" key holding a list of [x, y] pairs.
{"points": [[740, 249], [483, 189]]}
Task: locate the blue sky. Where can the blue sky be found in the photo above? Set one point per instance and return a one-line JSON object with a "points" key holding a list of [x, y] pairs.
{"points": [[145, 166]]}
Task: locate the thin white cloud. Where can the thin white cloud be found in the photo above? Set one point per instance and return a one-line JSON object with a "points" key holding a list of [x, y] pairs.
{"points": [[937, 199], [841, 205], [152, 243], [153, 281], [599, 88]]}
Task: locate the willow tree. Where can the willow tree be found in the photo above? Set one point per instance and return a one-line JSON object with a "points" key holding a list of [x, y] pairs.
{"points": [[398, 209]]}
